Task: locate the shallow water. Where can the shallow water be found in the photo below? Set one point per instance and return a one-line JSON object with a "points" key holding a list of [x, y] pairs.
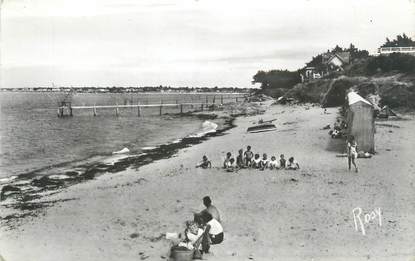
{"points": [[32, 137]]}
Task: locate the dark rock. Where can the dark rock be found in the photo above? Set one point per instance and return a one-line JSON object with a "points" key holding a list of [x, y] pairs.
{"points": [[45, 181], [134, 235], [8, 190]]}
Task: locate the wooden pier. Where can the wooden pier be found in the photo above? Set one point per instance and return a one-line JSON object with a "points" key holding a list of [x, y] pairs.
{"points": [[66, 109]]}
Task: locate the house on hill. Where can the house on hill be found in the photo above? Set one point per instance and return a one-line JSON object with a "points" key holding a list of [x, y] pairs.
{"points": [[330, 62], [404, 49], [337, 60]]}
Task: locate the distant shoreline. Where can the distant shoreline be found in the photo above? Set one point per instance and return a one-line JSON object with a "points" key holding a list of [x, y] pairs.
{"points": [[144, 90]]}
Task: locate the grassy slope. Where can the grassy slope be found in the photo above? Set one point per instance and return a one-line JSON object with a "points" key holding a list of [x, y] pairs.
{"points": [[395, 89]]}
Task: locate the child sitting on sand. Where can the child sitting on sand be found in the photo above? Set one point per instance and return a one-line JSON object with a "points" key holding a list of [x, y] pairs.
{"points": [[205, 163], [192, 232], [264, 162], [248, 156], [292, 164], [256, 163], [273, 164], [227, 160], [230, 167], [193, 239], [240, 160], [282, 161]]}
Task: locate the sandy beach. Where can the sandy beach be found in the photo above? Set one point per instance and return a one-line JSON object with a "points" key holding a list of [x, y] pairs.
{"points": [[267, 215]]}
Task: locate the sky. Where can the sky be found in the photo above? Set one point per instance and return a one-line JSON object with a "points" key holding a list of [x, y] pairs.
{"points": [[182, 42]]}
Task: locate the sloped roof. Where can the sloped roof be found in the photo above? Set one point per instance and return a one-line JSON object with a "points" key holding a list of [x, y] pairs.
{"points": [[344, 56], [353, 97]]}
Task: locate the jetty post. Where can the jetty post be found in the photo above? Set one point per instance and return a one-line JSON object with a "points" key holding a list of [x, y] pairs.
{"points": [[70, 110], [181, 108], [60, 110], [221, 99], [138, 110], [116, 110], [161, 106], [64, 106], [94, 110]]}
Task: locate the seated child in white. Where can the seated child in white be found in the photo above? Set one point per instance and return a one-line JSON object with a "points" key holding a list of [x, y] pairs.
{"points": [[256, 162], [230, 165], [193, 232], [292, 164], [264, 162], [193, 236], [227, 160], [273, 164]]}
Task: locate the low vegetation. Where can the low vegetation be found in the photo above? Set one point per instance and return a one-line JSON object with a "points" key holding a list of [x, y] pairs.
{"points": [[392, 77]]}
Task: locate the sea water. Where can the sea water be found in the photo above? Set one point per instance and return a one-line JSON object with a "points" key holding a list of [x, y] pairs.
{"points": [[32, 137]]}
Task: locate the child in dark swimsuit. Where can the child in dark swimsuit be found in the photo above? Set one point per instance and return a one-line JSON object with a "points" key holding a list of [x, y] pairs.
{"points": [[282, 161], [240, 160], [248, 156], [205, 163]]}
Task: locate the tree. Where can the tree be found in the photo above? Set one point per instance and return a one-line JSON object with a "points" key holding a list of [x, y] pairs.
{"points": [[400, 41], [276, 79], [399, 62], [355, 53], [337, 49]]}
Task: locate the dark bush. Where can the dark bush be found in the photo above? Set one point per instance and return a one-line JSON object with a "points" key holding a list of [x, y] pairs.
{"points": [[335, 96], [398, 96], [283, 79], [403, 63]]}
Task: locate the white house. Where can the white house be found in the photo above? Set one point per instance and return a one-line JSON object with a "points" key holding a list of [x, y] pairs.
{"points": [[389, 50], [337, 60], [330, 62]]}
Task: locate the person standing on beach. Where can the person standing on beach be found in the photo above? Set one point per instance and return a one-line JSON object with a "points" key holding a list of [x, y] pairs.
{"points": [[352, 152], [249, 155]]}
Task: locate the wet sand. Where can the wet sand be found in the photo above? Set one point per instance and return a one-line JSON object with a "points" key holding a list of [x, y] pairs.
{"points": [[267, 215]]}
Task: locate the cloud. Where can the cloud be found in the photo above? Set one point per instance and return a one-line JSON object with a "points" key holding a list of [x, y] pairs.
{"points": [[160, 40]]}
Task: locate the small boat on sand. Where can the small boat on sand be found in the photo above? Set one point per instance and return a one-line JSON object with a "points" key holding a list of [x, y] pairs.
{"points": [[262, 128]]}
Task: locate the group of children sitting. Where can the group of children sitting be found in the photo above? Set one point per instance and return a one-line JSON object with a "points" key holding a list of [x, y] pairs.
{"points": [[248, 159]]}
